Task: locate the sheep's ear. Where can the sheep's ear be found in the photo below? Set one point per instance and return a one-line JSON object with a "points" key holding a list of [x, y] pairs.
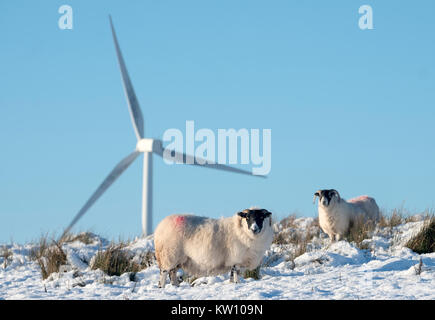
{"points": [[266, 213], [243, 214], [317, 194]]}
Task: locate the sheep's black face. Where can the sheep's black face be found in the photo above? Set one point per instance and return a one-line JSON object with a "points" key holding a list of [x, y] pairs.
{"points": [[255, 218], [326, 196]]}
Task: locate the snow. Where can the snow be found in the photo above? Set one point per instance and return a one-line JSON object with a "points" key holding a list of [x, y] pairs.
{"points": [[340, 270]]}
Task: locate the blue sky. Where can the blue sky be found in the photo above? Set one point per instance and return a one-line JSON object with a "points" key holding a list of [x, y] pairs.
{"points": [[349, 109]]}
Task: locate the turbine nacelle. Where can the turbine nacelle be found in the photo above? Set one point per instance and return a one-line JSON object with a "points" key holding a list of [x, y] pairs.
{"points": [[148, 145]]}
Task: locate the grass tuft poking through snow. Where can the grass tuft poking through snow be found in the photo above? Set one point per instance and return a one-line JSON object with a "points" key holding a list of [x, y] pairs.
{"points": [[6, 255], [50, 257], [359, 231], [295, 236], [254, 274], [424, 240], [116, 260]]}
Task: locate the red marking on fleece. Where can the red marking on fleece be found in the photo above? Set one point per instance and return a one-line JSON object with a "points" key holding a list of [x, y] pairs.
{"points": [[358, 199], [179, 221]]}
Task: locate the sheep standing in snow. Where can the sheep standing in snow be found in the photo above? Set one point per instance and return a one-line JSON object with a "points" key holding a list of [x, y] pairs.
{"points": [[203, 246], [336, 215]]}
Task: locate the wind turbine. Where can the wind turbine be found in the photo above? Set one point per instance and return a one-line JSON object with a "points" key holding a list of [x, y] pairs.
{"points": [[147, 147]]}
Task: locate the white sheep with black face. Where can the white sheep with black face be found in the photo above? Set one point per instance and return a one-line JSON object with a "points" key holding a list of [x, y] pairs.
{"points": [[336, 215], [203, 246]]}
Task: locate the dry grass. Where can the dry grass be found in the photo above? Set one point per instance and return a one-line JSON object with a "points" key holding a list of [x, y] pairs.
{"points": [[291, 233], [288, 222], [424, 241], [293, 239], [396, 218], [50, 257], [359, 231], [254, 274], [6, 254], [115, 261]]}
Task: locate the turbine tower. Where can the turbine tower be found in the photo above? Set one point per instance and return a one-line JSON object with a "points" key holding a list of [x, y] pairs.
{"points": [[147, 147]]}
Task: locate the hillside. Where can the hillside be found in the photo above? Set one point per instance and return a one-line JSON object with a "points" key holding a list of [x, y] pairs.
{"points": [[301, 264]]}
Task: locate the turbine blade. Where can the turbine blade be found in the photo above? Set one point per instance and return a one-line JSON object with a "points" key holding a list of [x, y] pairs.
{"points": [[110, 179], [191, 160], [133, 104]]}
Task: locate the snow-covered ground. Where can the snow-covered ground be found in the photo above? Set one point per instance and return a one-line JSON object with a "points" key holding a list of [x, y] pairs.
{"points": [[387, 270]]}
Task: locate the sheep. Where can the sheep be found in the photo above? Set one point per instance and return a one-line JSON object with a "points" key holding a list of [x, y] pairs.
{"points": [[336, 215], [204, 246]]}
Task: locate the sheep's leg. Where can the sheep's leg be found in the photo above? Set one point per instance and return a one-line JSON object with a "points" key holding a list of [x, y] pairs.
{"points": [[162, 282], [173, 277], [234, 274]]}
